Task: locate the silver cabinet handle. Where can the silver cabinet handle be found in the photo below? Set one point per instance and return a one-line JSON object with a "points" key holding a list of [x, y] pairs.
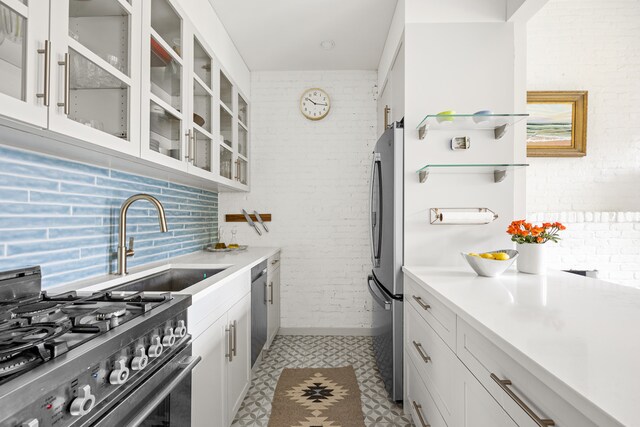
{"points": [[504, 385], [192, 151], [265, 292], [425, 357], [418, 408], [227, 331], [275, 261], [421, 302], [271, 293], [65, 104], [187, 156], [234, 326], [47, 55]]}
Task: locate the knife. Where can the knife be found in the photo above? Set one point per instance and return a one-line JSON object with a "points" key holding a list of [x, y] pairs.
{"points": [[251, 223], [261, 221]]}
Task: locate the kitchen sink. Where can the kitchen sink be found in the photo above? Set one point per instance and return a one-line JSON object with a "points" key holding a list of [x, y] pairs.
{"points": [[172, 280]]}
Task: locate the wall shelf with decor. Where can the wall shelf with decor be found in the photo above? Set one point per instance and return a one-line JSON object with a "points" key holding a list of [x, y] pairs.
{"points": [[498, 123], [499, 170]]}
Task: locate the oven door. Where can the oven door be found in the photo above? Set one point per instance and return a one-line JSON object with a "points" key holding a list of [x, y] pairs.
{"points": [[162, 400]]}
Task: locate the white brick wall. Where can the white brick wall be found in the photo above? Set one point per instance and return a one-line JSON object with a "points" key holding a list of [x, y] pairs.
{"points": [[591, 45], [605, 241], [313, 177]]}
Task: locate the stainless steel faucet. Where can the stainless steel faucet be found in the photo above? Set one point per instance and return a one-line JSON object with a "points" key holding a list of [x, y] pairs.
{"points": [[123, 252]]}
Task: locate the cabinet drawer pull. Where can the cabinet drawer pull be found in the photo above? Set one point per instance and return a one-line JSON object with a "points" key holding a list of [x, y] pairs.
{"points": [[229, 355], [418, 408], [425, 357], [271, 293], [423, 304], [275, 261], [504, 385], [47, 54], [65, 104], [234, 326]]}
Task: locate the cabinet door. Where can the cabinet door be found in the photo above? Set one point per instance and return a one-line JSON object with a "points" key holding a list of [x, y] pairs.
{"points": [[96, 72], [273, 316], [397, 97], [384, 106], [24, 47], [239, 369], [476, 407], [200, 148], [164, 117], [209, 382]]}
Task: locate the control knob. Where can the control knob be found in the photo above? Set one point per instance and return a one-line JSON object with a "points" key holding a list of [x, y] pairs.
{"points": [[120, 373], [82, 404], [155, 349], [140, 360], [168, 339], [180, 330]]}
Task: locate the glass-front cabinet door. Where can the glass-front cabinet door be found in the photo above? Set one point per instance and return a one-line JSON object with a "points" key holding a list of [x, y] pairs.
{"points": [[25, 53], [96, 72], [201, 146], [164, 121]]}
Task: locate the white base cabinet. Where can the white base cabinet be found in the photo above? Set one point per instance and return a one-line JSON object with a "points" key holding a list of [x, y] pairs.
{"points": [[273, 299], [221, 326], [454, 376]]}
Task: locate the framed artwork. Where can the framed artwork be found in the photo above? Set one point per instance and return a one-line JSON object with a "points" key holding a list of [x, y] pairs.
{"points": [[557, 123]]}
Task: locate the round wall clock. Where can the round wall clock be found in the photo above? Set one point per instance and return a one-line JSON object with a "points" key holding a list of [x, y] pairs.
{"points": [[315, 104]]}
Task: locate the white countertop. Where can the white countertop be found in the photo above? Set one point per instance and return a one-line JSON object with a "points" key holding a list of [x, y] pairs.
{"points": [[579, 335], [233, 262]]}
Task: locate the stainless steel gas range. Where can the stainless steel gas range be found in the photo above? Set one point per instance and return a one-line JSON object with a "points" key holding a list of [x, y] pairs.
{"points": [[95, 359]]}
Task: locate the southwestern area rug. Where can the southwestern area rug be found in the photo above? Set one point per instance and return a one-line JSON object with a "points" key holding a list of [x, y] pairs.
{"points": [[317, 398]]}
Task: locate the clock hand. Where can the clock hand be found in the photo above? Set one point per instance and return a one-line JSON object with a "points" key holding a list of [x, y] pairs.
{"points": [[310, 100]]}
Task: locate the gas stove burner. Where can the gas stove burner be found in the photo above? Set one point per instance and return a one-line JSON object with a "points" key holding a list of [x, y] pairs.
{"points": [[114, 310], [35, 308], [18, 363], [14, 341]]}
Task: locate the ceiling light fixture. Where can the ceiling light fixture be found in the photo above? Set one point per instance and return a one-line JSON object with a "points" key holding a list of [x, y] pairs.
{"points": [[327, 44]]}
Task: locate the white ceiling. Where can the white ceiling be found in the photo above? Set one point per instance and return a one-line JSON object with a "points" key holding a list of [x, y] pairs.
{"points": [[286, 34]]}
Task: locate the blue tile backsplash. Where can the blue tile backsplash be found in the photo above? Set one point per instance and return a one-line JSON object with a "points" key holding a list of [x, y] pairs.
{"points": [[63, 215]]}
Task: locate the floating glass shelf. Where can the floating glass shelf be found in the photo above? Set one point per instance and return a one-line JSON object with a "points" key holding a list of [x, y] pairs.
{"points": [[499, 170], [496, 122]]}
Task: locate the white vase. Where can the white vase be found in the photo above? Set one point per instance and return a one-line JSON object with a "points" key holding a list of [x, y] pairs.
{"points": [[532, 258]]}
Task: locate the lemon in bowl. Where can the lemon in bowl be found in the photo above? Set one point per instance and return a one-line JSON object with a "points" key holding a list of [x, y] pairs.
{"points": [[491, 264]]}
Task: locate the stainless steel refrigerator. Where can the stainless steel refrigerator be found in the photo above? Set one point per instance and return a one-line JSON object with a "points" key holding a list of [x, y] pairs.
{"points": [[385, 282]]}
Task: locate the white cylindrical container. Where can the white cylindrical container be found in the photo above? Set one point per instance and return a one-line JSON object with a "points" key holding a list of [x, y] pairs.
{"points": [[532, 258]]}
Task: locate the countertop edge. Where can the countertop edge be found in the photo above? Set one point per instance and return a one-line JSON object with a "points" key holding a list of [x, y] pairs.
{"points": [[572, 396]]}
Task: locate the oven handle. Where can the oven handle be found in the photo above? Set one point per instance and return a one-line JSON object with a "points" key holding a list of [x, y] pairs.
{"points": [[186, 365]]}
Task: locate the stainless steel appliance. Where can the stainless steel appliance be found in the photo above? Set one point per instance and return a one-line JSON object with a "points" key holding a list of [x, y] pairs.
{"points": [[92, 359], [258, 310], [385, 281]]}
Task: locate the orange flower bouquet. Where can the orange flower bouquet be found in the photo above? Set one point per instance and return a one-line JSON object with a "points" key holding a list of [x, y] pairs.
{"points": [[525, 232]]}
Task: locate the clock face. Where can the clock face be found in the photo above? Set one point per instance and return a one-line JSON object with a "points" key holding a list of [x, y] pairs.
{"points": [[315, 104]]}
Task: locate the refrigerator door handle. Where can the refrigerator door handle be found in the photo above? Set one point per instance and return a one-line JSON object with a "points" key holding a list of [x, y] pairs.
{"points": [[377, 294], [374, 217]]}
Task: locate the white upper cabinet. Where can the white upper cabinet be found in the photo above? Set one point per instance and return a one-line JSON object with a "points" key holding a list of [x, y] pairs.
{"points": [[164, 109], [131, 76], [95, 72], [24, 51]]}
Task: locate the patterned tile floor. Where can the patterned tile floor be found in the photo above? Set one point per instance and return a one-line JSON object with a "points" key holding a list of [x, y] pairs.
{"points": [[320, 352]]}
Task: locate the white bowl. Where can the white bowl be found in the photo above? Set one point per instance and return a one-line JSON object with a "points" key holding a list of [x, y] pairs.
{"points": [[491, 267]]}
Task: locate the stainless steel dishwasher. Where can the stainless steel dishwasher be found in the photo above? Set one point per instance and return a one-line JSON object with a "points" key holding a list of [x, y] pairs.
{"points": [[258, 310]]}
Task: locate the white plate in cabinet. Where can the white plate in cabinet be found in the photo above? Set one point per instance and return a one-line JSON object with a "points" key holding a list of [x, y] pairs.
{"points": [[419, 403], [435, 362], [476, 407], [522, 395], [441, 319]]}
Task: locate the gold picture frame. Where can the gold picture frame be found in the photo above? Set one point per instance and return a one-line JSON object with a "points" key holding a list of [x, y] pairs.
{"points": [[557, 125]]}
